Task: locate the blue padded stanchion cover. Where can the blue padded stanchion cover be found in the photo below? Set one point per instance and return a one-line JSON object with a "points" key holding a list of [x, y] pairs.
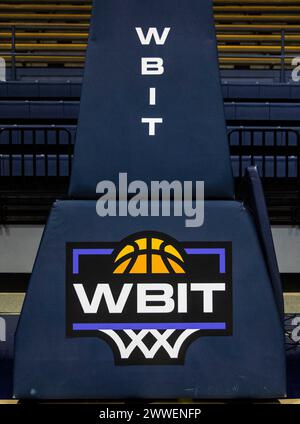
{"points": [[115, 97], [258, 205], [250, 363], [89, 327]]}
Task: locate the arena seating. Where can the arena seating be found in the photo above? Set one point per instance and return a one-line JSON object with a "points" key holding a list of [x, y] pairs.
{"points": [[256, 38], [250, 33], [63, 90], [66, 109], [44, 44], [37, 136]]}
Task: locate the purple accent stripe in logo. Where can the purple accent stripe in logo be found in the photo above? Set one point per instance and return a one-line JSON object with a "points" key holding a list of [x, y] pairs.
{"points": [[79, 252], [152, 326], [189, 251], [210, 251]]}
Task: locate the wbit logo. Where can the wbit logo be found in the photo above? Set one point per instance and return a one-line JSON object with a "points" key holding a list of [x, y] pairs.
{"points": [[149, 296]]}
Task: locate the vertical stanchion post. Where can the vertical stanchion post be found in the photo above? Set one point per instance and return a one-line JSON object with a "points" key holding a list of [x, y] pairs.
{"points": [[298, 162], [275, 157], [2, 70], [58, 157], [240, 132], [70, 147], [297, 213], [282, 57], [13, 48], [264, 153]]}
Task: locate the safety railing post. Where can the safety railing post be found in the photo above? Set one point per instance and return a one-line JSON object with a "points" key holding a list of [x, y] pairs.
{"points": [[13, 52], [282, 57]]}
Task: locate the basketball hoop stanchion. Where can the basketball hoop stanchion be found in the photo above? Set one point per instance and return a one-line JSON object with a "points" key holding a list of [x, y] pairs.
{"points": [[152, 292], [131, 300], [160, 342]]}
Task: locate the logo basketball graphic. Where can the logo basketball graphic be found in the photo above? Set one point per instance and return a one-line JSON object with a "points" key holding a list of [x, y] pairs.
{"points": [[149, 256], [150, 296]]}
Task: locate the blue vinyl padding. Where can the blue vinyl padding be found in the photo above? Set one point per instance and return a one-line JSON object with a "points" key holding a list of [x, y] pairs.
{"points": [[256, 202], [111, 137], [292, 358], [250, 363]]}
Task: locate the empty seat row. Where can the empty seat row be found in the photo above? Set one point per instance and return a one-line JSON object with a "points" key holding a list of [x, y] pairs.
{"points": [[71, 90], [48, 7], [51, 34], [262, 111], [235, 111], [79, 60], [249, 33], [39, 109], [259, 91], [39, 89], [81, 47]]}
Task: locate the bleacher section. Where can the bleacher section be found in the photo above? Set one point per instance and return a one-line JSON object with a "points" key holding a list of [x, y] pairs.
{"points": [[237, 112], [44, 42], [254, 34], [44, 45], [38, 126]]}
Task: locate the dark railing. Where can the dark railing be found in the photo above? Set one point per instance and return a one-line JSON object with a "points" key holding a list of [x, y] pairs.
{"points": [[34, 147], [35, 165], [272, 149], [14, 54], [31, 174], [276, 152], [283, 57]]}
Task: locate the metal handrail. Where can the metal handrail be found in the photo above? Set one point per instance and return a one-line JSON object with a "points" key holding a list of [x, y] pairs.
{"points": [[283, 56], [37, 149], [27, 199], [239, 149], [264, 150]]}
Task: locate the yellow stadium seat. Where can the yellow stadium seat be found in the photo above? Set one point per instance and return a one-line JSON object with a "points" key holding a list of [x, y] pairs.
{"points": [[46, 31]]}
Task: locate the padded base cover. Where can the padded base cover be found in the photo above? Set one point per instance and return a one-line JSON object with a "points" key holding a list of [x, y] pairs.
{"points": [[248, 364]]}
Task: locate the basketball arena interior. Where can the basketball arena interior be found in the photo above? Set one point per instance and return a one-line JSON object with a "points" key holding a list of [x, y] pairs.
{"points": [[150, 200]]}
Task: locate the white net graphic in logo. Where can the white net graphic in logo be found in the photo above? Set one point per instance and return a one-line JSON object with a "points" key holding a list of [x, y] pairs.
{"points": [[160, 342]]}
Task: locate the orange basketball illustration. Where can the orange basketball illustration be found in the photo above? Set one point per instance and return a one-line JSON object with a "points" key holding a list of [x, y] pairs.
{"points": [[149, 255]]}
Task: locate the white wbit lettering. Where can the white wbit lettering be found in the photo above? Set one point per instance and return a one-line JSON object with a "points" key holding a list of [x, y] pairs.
{"points": [[152, 66], [162, 293], [152, 33], [102, 290]]}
